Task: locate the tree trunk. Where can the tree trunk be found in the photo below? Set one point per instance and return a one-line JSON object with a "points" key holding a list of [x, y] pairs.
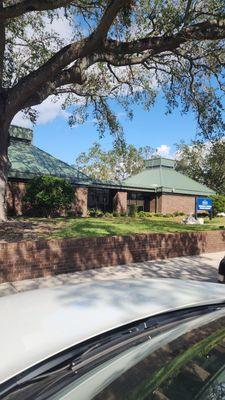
{"points": [[4, 167]]}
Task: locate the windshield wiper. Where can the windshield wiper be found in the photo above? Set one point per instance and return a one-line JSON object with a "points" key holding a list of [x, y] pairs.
{"points": [[78, 359]]}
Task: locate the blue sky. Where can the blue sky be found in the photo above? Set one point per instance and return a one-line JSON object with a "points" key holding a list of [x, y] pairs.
{"points": [[153, 128], [53, 134]]}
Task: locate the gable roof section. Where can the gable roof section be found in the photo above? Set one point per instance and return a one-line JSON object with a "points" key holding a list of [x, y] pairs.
{"points": [[28, 161], [168, 180]]}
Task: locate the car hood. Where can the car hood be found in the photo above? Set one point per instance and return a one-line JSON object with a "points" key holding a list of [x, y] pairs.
{"points": [[40, 323]]}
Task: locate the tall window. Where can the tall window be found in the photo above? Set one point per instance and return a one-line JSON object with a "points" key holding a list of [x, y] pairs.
{"points": [[140, 199], [98, 199]]}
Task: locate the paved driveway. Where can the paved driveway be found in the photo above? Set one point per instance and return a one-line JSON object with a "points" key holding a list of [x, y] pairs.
{"points": [[201, 268]]}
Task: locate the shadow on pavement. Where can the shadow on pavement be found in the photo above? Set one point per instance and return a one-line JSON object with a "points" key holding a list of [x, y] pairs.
{"points": [[199, 268]]}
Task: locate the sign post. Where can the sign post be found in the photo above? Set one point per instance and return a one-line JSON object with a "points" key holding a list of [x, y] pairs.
{"points": [[203, 204]]}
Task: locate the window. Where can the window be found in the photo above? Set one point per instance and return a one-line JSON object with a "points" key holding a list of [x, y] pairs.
{"points": [[98, 199], [140, 199]]}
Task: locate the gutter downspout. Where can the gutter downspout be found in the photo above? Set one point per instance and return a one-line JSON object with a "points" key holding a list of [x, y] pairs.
{"points": [[156, 202]]}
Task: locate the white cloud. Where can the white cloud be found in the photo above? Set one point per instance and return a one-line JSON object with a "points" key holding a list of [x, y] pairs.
{"points": [[22, 121], [163, 150], [49, 110], [60, 26], [51, 107]]}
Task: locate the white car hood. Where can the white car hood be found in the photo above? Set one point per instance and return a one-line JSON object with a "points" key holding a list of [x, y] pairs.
{"points": [[40, 323]]}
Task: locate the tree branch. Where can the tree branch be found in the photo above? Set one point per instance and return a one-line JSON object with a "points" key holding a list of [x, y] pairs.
{"points": [[67, 55], [208, 30], [26, 6], [187, 11], [108, 17], [2, 47], [36, 79], [98, 49]]}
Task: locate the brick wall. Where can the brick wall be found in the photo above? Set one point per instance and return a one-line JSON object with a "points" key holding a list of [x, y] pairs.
{"points": [[31, 259], [80, 201], [120, 202], [15, 193], [166, 203], [15, 205], [152, 204], [171, 203]]}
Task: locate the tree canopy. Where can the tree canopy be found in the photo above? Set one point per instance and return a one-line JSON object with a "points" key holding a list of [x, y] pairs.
{"points": [[119, 50], [116, 164], [204, 162], [126, 50]]}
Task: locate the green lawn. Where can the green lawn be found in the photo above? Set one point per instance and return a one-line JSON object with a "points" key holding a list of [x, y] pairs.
{"points": [[87, 227]]}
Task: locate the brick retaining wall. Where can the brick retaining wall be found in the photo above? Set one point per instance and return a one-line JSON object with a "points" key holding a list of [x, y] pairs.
{"points": [[32, 259]]}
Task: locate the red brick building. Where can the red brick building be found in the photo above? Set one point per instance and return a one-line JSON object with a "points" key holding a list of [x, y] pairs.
{"points": [[158, 188], [28, 161]]}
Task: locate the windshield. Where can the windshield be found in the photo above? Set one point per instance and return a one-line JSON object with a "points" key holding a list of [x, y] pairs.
{"points": [[189, 368], [183, 359]]}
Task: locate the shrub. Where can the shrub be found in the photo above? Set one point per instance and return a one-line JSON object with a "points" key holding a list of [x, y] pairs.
{"points": [[149, 214], [158, 214], [178, 214], [99, 213], [203, 214], [133, 210], [145, 214], [47, 195], [123, 214], [108, 215], [218, 203], [141, 214], [94, 212], [91, 212], [116, 214]]}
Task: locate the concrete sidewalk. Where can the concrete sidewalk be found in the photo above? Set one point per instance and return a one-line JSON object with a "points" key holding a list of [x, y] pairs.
{"points": [[201, 268]]}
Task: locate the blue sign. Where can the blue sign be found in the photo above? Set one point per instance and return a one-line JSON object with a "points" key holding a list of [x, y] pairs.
{"points": [[204, 204]]}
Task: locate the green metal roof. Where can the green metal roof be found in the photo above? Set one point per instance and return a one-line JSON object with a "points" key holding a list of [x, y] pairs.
{"points": [[28, 161], [159, 162], [17, 132], [166, 179]]}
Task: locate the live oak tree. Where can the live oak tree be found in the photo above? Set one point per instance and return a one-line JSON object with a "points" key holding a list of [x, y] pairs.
{"points": [[123, 50], [116, 164], [203, 162]]}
